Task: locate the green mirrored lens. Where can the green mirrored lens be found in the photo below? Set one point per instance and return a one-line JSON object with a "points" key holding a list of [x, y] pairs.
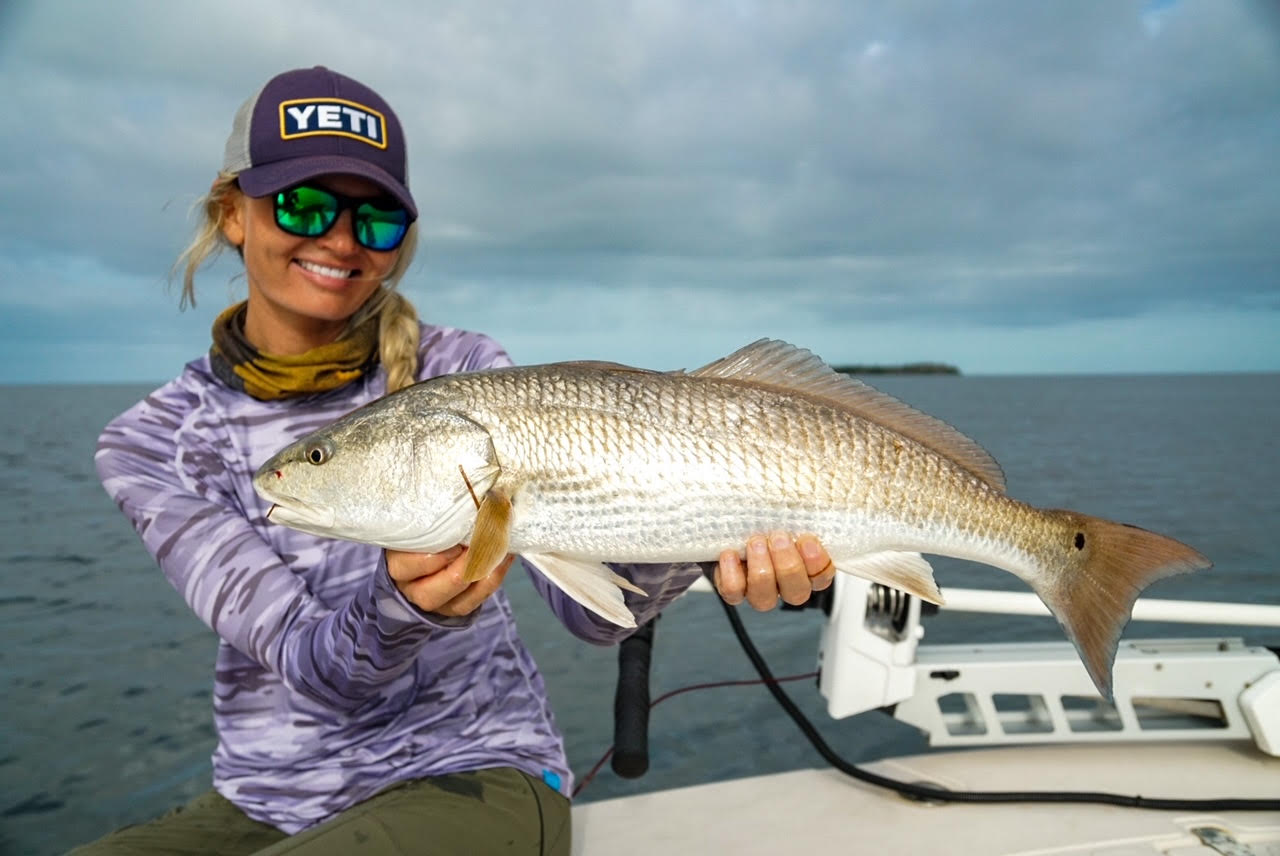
{"points": [[307, 211], [380, 228], [310, 212]]}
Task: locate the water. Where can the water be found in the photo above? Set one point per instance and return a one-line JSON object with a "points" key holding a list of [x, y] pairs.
{"points": [[105, 674]]}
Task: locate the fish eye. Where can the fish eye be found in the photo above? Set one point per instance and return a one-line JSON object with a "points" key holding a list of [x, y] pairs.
{"points": [[318, 454]]}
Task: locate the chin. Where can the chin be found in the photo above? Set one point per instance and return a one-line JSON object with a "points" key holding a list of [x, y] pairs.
{"points": [[330, 306]]}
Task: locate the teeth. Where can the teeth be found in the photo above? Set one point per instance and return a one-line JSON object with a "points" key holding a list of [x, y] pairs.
{"points": [[325, 270]]}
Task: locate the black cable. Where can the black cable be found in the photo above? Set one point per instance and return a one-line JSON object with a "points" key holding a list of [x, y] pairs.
{"points": [[924, 792]]}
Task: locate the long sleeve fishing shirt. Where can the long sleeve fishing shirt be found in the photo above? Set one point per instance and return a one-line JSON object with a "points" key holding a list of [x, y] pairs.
{"points": [[329, 685]]}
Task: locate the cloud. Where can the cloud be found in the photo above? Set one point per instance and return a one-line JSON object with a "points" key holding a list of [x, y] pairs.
{"points": [[959, 167]]}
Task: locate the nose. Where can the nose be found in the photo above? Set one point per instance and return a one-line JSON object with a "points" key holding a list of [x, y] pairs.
{"points": [[341, 238]]}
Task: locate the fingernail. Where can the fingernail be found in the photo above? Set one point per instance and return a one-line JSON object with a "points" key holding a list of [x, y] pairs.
{"points": [[810, 548], [757, 545], [780, 540]]}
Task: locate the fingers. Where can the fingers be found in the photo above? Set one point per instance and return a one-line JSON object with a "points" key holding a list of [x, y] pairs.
{"points": [[475, 594], [788, 569], [409, 566], [817, 564], [426, 580], [730, 578], [762, 587], [776, 566], [435, 582]]}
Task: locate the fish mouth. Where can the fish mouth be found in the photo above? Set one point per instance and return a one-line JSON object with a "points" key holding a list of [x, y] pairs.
{"points": [[288, 509], [292, 511]]}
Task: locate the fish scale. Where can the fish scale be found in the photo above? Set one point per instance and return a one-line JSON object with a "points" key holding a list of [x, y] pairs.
{"points": [[567, 442], [574, 465]]}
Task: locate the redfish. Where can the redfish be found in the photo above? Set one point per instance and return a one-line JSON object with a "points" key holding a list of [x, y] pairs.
{"points": [[575, 465]]}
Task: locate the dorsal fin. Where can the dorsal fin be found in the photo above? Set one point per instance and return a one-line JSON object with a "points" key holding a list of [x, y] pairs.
{"points": [[783, 366]]}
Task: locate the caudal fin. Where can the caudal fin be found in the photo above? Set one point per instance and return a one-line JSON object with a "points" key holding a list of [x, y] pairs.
{"points": [[1104, 567]]}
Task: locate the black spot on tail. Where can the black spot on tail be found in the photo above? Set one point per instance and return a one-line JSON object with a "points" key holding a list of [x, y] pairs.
{"points": [[1079, 540]]}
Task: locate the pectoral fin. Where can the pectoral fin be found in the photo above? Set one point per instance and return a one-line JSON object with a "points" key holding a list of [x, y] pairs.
{"points": [[591, 584], [908, 572], [490, 536]]}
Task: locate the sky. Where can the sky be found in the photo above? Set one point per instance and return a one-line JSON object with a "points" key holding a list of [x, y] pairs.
{"points": [[1010, 187]]}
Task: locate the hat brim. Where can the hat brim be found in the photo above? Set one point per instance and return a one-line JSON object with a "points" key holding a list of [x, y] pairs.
{"points": [[273, 177]]}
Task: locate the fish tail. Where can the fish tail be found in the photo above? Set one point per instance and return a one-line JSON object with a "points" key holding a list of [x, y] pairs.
{"points": [[1102, 569]]}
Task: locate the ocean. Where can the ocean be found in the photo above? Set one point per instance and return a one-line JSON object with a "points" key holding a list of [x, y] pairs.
{"points": [[106, 674]]}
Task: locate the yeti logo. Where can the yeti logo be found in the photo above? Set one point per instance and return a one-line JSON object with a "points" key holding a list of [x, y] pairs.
{"points": [[309, 117]]}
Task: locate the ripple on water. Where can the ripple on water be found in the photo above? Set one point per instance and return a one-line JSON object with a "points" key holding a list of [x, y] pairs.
{"points": [[61, 558], [37, 803]]}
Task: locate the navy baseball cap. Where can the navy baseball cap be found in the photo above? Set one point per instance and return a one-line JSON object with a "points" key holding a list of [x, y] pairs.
{"points": [[311, 122]]}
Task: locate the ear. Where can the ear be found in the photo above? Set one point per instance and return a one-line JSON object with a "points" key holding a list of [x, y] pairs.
{"points": [[233, 214]]}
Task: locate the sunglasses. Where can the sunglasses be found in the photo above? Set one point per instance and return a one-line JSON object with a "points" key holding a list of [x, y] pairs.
{"points": [[307, 211]]}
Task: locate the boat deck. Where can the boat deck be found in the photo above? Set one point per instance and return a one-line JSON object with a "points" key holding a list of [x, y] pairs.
{"points": [[821, 811]]}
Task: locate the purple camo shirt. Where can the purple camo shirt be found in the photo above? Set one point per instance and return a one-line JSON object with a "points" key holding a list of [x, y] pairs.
{"points": [[329, 685]]}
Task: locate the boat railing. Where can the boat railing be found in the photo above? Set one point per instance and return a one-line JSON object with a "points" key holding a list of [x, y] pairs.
{"points": [[1217, 688]]}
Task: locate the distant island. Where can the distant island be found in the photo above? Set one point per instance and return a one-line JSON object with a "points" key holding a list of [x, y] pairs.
{"points": [[907, 368]]}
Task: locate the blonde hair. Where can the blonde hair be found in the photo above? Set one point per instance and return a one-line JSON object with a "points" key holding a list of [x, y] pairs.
{"points": [[397, 319]]}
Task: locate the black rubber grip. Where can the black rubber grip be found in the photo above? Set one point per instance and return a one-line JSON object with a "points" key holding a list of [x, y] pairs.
{"points": [[631, 704]]}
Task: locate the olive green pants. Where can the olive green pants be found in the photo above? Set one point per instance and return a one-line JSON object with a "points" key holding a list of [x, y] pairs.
{"points": [[501, 810]]}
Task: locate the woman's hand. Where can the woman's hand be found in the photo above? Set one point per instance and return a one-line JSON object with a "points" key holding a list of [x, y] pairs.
{"points": [[433, 581], [777, 565]]}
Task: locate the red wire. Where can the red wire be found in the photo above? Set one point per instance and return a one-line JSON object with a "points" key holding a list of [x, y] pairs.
{"points": [[672, 694]]}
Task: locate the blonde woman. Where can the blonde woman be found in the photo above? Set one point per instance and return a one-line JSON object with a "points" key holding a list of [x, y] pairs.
{"points": [[361, 695]]}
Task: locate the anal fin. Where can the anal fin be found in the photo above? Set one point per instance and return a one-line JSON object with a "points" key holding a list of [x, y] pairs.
{"points": [[591, 584], [909, 572]]}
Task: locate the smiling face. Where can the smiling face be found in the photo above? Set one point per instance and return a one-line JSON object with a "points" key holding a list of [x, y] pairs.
{"points": [[303, 290]]}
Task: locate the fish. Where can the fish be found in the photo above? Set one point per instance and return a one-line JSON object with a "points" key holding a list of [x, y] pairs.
{"points": [[578, 465]]}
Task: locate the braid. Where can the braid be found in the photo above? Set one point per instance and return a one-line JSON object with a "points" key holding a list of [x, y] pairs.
{"points": [[398, 340], [398, 334]]}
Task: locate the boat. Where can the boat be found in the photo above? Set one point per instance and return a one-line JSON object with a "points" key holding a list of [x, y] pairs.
{"points": [[1029, 761]]}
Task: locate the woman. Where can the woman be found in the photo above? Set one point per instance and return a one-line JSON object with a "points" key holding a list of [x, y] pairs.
{"points": [[361, 695]]}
